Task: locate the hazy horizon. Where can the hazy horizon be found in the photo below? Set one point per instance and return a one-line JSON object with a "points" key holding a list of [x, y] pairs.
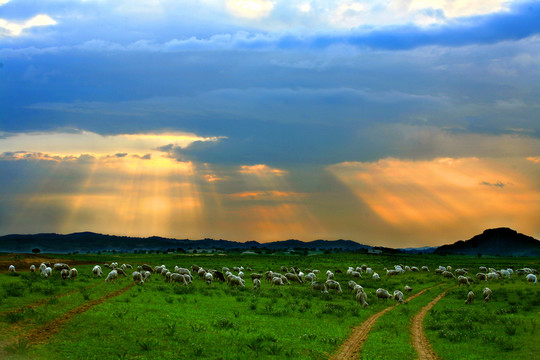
{"points": [[403, 123]]}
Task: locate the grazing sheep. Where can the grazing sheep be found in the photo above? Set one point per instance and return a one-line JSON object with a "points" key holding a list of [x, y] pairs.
{"points": [[146, 275], [256, 276], [492, 270], [237, 281], [392, 272], [351, 285], [505, 273], [317, 285], [310, 277], [256, 284], [64, 273], [179, 278], [46, 272], [481, 276], [470, 298], [408, 289], [73, 273], [531, 278], [483, 269], [218, 275], [123, 267], [123, 273], [369, 271], [195, 268], [316, 272], [487, 294], [448, 274], [360, 296], [146, 267], [32, 268], [493, 276], [356, 274], [42, 267], [201, 272], [382, 294], [460, 272], [439, 271], [448, 268], [240, 274], [137, 277], [60, 267], [209, 278], [376, 276], [425, 268], [329, 275], [398, 296], [463, 280], [268, 275], [183, 271], [284, 269], [408, 268], [277, 281], [293, 277], [333, 285], [414, 269], [11, 268], [112, 277], [97, 271]]}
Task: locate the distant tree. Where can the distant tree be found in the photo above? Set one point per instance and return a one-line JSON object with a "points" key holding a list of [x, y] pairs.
{"points": [[36, 250]]}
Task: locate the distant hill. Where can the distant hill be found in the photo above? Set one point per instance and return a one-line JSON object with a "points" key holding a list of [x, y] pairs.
{"points": [[500, 241], [89, 241]]}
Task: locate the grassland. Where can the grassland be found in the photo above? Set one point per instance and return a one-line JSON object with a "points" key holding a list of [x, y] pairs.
{"points": [[166, 321]]}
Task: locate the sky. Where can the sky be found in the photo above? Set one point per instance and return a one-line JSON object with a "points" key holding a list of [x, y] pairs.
{"points": [[398, 123]]}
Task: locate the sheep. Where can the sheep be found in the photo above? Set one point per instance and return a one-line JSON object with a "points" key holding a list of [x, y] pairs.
{"points": [[398, 296], [97, 271], [137, 277], [209, 278], [448, 274], [168, 275], [360, 296], [310, 277], [46, 272], [329, 275], [237, 281], [123, 267], [460, 272], [42, 267], [391, 272], [112, 276], [284, 269], [225, 269], [195, 268], [146, 275], [317, 285], [505, 273], [382, 294], [531, 278], [256, 284], [493, 276], [376, 276], [179, 278], [351, 285], [240, 274], [122, 272], [425, 268], [369, 271], [439, 271], [481, 276], [73, 273], [333, 285], [487, 294], [408, 289], [277, 281], [218, 275], [463, 280], [356, 274], [316, 272], [408, 268], [32, 268], [146, 267], [11, 268], [448, 268], [201, 272], [256, 276], [183, 271], [268, 275], [60, 267], [64, 273], [470, 298], [293, 277], [414, 269]]}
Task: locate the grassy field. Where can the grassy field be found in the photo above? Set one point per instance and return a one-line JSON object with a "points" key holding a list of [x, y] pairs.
{"points": [[87, 318]]}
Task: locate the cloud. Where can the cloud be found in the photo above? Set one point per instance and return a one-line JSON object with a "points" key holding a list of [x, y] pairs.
{"points": [[498, 184], [12, 28]]}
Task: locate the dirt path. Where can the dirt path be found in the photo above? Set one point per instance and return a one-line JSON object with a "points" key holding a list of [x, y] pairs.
{"points": [[420, 342], [44, 332], [353, 345]]}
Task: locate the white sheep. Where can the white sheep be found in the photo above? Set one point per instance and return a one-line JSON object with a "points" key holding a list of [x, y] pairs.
{"points": [[112, 277], [398, 296], [310, 277], [369, 271], [463, 280], [236, 280], [256, 276], [481, 276], [356, 274], [382, 294], [448, 274], [505, 273], [531, 278], [11, 268], [32, 268], [460, 272], [42, 267], [492, 276], [209, 277], [256, 284], [470, 298], [179, 278], [293, 277], [46, 272], [146, 275], [360, 295], [408, 289], [64, 273], [376, 276], [351, 285], [60, 267], [138, 278], [317, 285], [333, 285], [329, 275], [97, 271], [73, 273], [483, 269], [241, 274], [414, 269], [277, 281], [487, 294], [425, 268]]}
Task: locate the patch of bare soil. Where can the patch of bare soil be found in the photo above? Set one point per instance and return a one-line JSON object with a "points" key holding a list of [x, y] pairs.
{"points": [[420, 342], [353, 345]]}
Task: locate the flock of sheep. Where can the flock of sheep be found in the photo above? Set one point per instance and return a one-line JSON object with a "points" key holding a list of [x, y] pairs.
{"points": [[294, 274]]}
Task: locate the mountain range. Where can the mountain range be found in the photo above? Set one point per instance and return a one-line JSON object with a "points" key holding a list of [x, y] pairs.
{"points": [[500, 242]]}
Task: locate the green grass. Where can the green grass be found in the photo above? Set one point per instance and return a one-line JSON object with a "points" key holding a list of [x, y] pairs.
{"points": [[161, 320]]}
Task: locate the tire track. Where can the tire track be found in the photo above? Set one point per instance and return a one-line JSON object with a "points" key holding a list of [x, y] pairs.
{"points": [[353, 345], [44, 332], [420, 342]]}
